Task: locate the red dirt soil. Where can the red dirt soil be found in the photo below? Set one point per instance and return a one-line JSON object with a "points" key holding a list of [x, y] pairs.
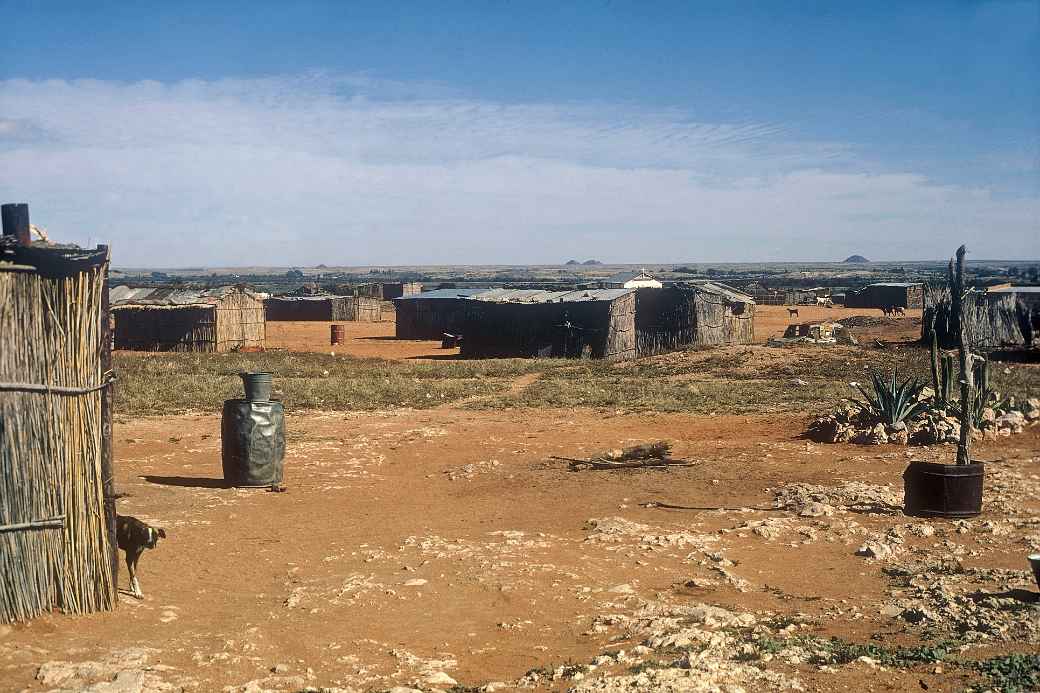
{"points": [[316, 578]]}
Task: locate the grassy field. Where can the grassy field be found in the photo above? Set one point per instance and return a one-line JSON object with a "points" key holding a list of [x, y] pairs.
{"points": [[703, 381]]}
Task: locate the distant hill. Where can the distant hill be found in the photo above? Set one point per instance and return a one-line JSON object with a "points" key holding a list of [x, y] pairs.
{"points": [[572, 262], [592, 262], [856, 258]]}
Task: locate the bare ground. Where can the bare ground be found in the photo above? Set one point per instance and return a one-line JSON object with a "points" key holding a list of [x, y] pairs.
{"points": [[411, 543]]}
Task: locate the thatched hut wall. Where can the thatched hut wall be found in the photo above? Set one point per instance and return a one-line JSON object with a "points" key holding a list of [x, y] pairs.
{"points": [[691, 315], [55, 549], [324, 308], [994, 320], [430, 315], [572, 329], [886, 296], [222, 320], [165, 328]]}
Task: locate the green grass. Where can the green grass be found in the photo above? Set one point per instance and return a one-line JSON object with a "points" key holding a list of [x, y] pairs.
{"points": [[732, 380]]}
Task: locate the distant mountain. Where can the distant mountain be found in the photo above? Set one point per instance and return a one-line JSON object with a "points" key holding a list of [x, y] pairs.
{"points": [[573, 262], [856, 258], [592, 262]]}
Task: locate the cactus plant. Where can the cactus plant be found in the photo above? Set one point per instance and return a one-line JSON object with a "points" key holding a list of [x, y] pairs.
{"points": [[942, 375], [958, 293], [892, 402]]}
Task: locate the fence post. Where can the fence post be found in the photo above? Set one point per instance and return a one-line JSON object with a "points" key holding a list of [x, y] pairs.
{"points": [[108, 482], [16, 221]]}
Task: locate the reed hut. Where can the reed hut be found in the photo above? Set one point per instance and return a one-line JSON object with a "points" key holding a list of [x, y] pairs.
{"points": [[995, 319], [886, 295], [432, 313], [222, 319], [388, 291], [594, 323], [695, 314], [324, 308], [57, 541], [604, 323]]}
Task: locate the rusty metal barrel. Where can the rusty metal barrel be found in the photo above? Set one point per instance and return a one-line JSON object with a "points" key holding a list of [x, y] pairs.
{"points": [[338, 334]]}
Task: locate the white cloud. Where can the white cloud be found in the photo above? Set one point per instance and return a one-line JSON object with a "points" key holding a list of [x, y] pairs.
{"points": [[352, 171]]}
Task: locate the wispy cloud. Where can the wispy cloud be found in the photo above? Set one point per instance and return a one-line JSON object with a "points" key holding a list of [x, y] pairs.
{"points": [[351, 170]]}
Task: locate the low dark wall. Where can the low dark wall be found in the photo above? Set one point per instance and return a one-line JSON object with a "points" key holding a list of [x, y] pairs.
{"points": [[564, 330]]}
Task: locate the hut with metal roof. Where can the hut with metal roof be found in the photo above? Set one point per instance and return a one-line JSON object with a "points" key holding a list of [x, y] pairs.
{"points": [[594, 323], [886, 295], [431, 314], [604, 323], [324, 307], [224, 319], [692, 314]]}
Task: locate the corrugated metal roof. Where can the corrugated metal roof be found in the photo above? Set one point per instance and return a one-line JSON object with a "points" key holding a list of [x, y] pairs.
{"points": [[901, 285], [441, 293], [540, 296], [125, 296], [1016, 290], [724, 290], [320, 297]]}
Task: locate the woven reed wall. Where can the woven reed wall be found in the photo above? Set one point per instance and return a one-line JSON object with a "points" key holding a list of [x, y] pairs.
{"points": [[429, 318], [678, 317], [241, 323], [577, 329], [993, 320], [50, 446], [162, 328]]}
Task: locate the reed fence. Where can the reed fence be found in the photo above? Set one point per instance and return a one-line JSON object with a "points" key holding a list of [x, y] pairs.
{"points": [[55, 546]]}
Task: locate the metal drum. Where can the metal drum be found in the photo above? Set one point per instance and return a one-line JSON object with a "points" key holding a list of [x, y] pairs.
{"points": [[252, 442], [338, 334]]}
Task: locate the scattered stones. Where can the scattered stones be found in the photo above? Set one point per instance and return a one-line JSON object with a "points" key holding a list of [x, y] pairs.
{"points": [[852, 495]]}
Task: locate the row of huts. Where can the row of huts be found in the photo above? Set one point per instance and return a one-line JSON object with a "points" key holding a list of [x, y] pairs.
{"points": [[598, 323], [226, 318]]}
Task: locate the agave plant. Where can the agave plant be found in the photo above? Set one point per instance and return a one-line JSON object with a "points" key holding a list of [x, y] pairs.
{"points": [[892, 402]]}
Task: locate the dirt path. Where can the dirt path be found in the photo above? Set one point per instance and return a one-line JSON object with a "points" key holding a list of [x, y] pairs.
{"points": [[414, 544]]}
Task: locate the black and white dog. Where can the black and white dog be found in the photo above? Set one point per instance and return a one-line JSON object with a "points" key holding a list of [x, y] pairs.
{"points": [[133, 537]]}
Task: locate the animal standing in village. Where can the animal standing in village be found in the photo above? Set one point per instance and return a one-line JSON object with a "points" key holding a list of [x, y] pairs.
{"points": [[792, 312], [826, 302], [133, 537]]}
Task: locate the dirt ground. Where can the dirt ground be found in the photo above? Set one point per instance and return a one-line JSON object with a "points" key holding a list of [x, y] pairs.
{"points": [[376, 339], [447, 546]]}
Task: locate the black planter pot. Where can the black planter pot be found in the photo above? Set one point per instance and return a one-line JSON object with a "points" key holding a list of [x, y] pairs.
{"points": [[943, 490]]}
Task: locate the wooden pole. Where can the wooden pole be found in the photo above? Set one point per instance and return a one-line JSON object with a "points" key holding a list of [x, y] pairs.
{"points": [[16, 221], [108, 482]]}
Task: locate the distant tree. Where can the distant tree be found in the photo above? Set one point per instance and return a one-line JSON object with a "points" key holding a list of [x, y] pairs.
{"points": [[592, 262], [294, 274], [160, 276]]}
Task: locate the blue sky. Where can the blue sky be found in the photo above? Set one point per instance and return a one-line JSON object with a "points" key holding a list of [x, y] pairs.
{"points": [[405, 133]]}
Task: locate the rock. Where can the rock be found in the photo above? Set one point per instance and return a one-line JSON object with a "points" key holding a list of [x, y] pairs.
{"points": [[817, 509], [1012, 419], [439, 678], [898, 426], [891, 610], [622, 589], [900, 437], [415, 582], [989, 415], [875, 549], [280, 669]]}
